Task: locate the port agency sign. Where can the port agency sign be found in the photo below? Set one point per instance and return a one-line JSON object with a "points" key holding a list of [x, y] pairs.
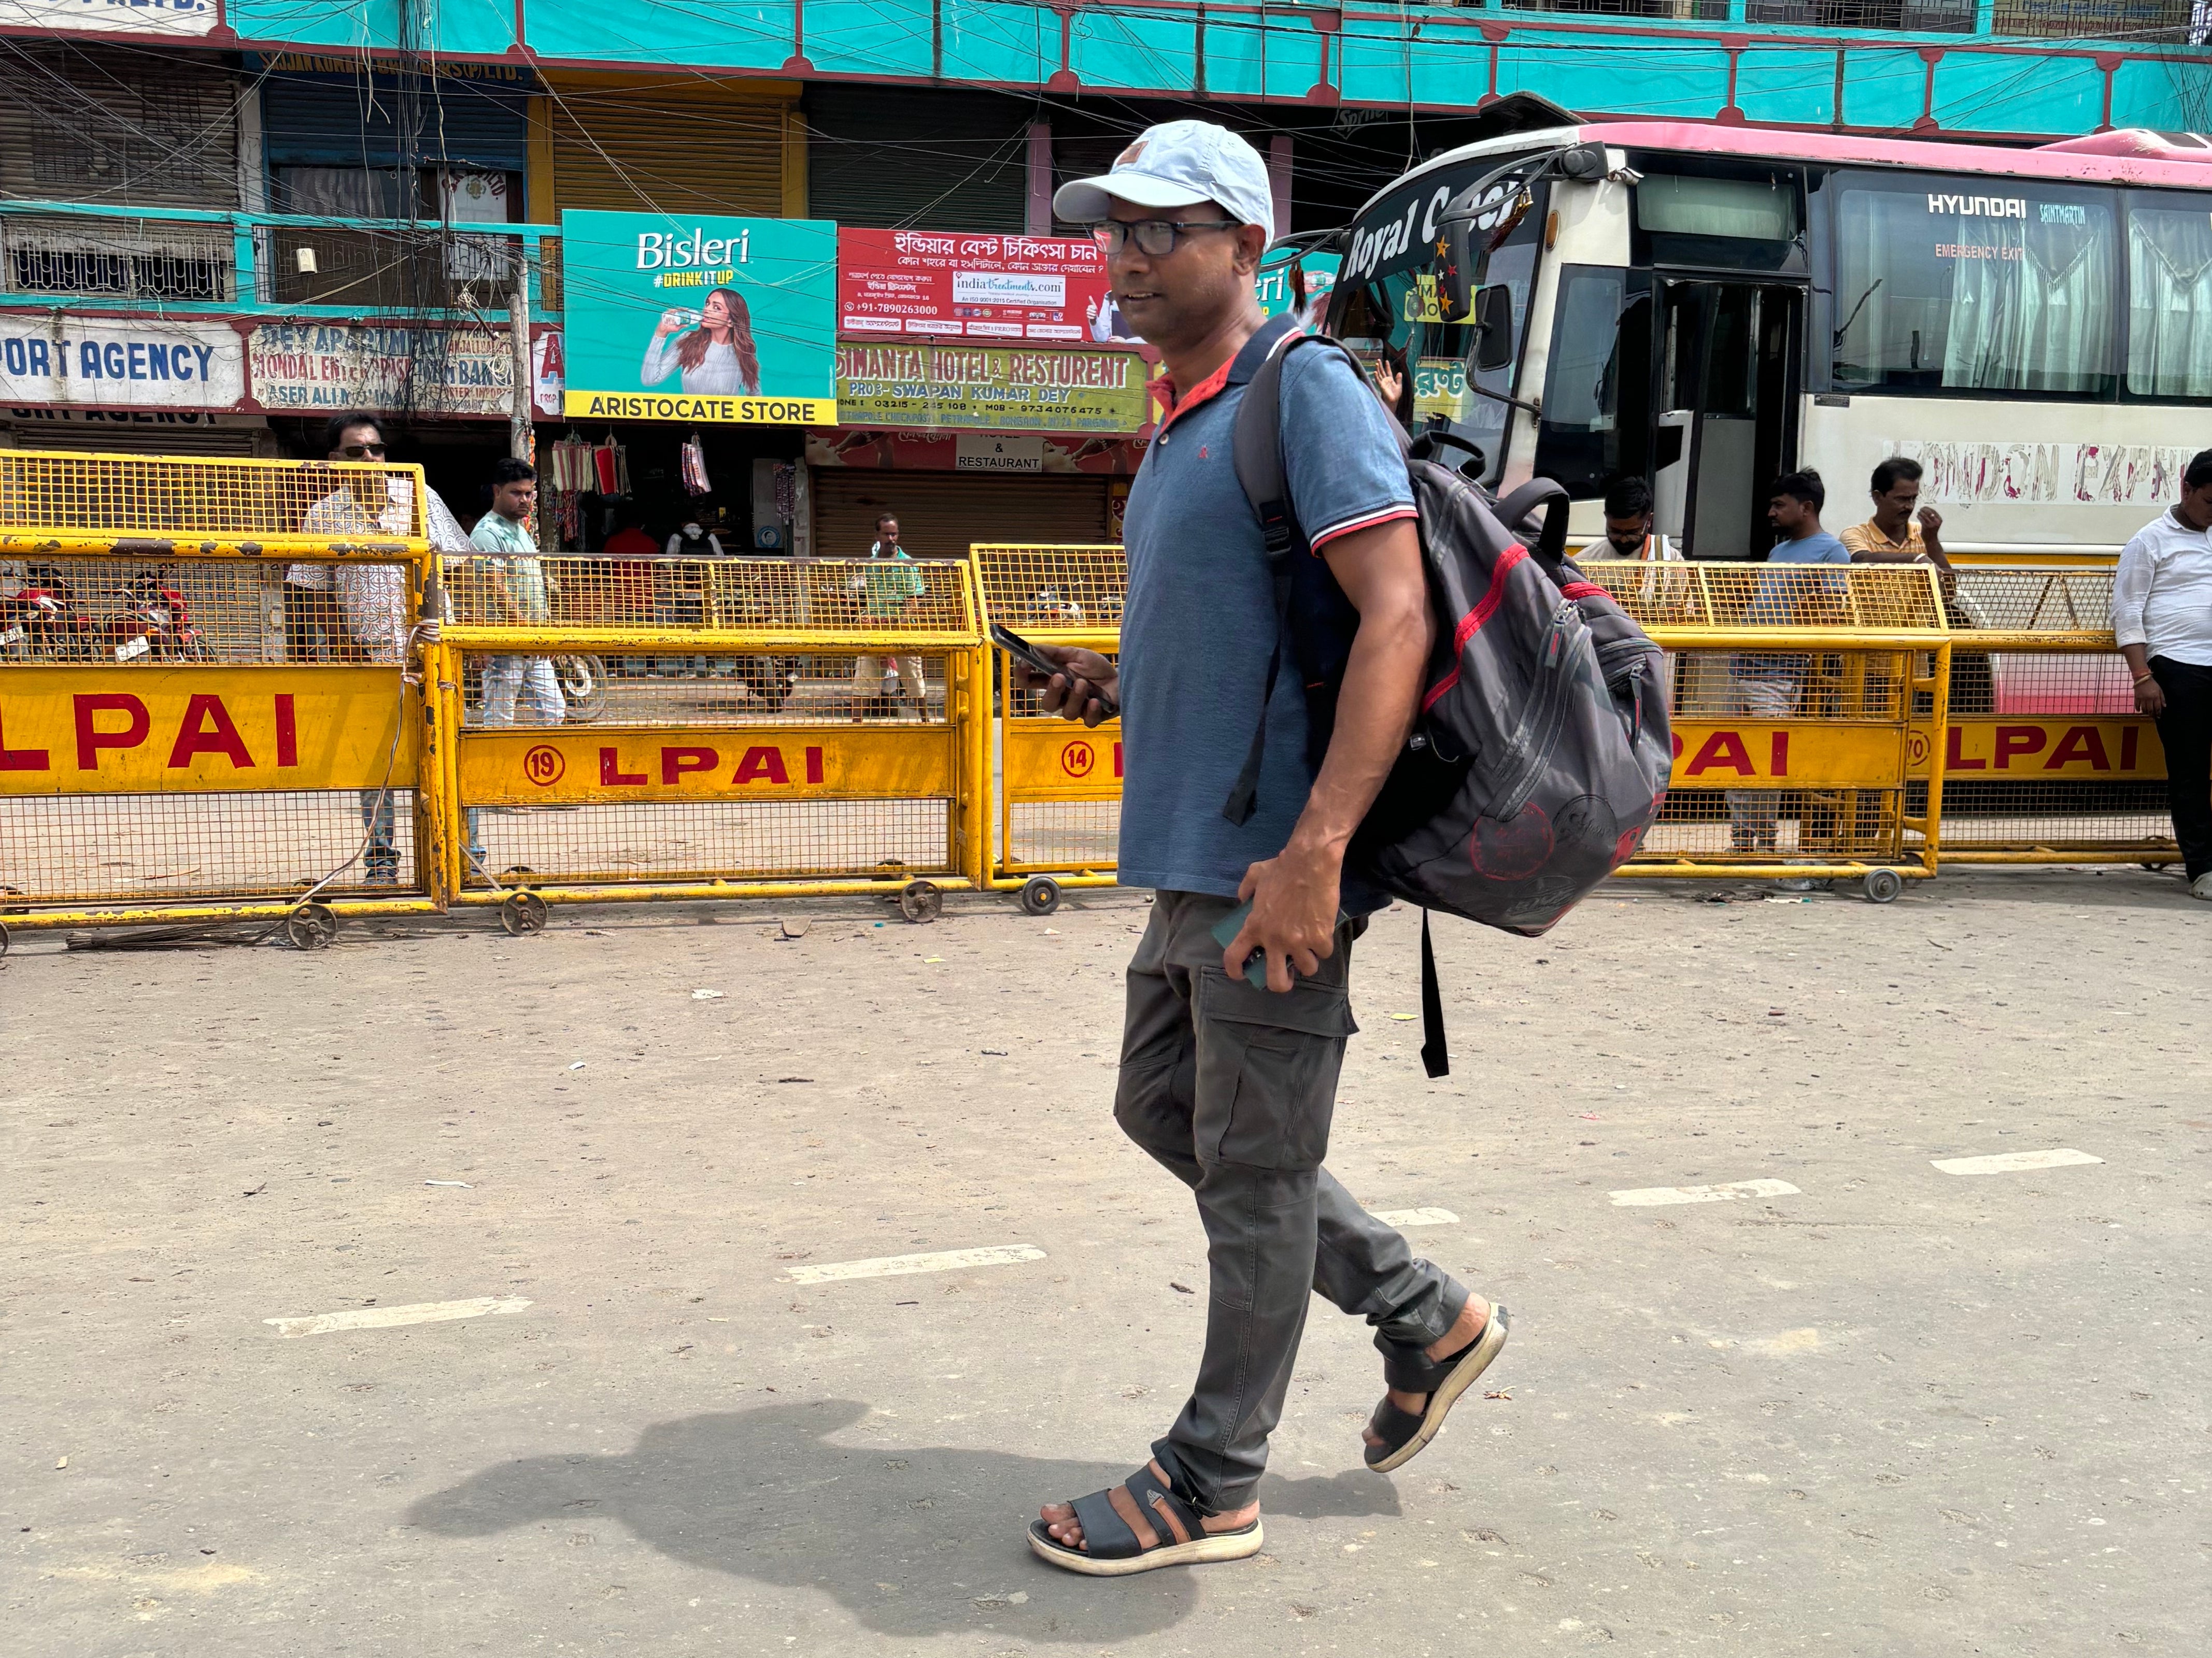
{"points": [[128, 363], [708, 320]]}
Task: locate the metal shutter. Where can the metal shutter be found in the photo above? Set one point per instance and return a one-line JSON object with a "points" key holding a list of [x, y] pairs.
{"points": [[84, 123], [897, 160], [354, 120], [220, 442], [675, 146], [941, 514]]}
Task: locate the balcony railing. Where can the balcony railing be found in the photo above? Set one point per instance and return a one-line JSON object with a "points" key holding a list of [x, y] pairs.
{"points": [[179, 260]]}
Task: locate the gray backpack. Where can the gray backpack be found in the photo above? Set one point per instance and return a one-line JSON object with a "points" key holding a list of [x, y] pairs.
{"points": [[1540, 755]]}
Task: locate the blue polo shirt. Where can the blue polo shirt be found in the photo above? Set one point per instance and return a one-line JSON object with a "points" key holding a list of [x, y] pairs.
{"points": [[1201, 619]]}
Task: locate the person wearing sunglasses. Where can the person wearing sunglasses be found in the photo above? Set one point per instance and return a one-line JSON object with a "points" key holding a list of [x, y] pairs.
{"points": [[1230, 1085], [312, 633]]}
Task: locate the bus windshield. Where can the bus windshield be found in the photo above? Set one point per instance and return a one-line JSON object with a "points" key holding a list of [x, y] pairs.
{"points": [[1391, 313]]}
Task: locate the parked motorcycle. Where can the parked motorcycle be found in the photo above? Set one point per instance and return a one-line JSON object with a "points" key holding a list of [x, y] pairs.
{"points": [[156, 621], [39, 622]]}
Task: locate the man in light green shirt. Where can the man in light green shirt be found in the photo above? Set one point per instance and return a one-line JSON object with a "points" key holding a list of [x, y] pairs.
{"points": [[516, 587], [889, 589]]}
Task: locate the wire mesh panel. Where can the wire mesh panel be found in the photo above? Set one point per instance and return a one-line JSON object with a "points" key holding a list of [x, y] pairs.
{"points": [[262, 507], [165, 848], [1049, 591], [1059, 784], [801, 600], [711, 767], [153, 612], [2047, 760], [1716, 594]]}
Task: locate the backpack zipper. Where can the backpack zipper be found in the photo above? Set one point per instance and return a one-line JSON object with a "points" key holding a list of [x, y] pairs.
{"points": [[1531, 747]]}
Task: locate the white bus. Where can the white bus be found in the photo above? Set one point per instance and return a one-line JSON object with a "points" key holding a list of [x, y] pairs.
{"points": [[1708, 306]]}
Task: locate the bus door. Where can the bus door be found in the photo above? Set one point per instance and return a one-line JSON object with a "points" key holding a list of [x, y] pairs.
{"points": [[1726, 384]]}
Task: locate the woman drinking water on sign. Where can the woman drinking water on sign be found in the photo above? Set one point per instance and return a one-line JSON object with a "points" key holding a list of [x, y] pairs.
{"points": [[716, 350]]}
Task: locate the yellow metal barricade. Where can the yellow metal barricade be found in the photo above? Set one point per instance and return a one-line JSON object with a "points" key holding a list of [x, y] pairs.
{"points": [[2047, 760], [1806, 702], [667, 732], [1058, 802], [203, 709]]}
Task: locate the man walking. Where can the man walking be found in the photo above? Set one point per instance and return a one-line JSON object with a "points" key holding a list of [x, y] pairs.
{"points": [[516, 589], [889, 587], [2162, 621], [1230, 1086]]}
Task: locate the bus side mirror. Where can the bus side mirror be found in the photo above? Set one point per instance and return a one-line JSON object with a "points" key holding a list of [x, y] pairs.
{"points": [[1456, 277], [1493, 324]]}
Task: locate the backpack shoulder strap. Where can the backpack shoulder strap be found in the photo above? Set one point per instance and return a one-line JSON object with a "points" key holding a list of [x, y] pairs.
{"points": [[1257, 448]]}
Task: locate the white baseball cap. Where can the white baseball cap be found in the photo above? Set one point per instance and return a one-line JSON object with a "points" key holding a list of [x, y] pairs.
{"points": [[1178, 164]]}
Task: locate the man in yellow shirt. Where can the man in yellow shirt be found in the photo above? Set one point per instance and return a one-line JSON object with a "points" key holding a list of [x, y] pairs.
{"points": [[1896, 534]]}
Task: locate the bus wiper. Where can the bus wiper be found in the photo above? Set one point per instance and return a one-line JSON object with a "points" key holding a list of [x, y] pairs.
{"points": [[1500, 397], [1855, 309]]}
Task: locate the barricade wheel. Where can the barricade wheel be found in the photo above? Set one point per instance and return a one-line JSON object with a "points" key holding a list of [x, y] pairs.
{"points": [[522, 913], [1040, 895], [1881, 885], [311, 926], [921, 902]]}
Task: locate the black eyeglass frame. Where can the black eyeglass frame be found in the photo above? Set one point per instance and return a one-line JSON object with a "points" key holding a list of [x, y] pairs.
{"points": [[1112, 235], [363, 451]]}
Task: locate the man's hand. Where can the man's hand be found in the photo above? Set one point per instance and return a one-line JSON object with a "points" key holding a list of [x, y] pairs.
{"points": [[1073, 694], [2150, 697], [1296, 895], [1294, 907], [1931, 537]]}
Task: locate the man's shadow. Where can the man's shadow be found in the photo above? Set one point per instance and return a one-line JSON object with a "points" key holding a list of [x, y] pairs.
{"points": [[888, 1530]]}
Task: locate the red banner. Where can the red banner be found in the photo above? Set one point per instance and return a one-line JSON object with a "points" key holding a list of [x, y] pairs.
{"points": [[976, 286]]}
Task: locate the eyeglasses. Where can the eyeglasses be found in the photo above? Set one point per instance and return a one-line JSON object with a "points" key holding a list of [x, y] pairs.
{"points": [[1156, 237], [363, 452]]}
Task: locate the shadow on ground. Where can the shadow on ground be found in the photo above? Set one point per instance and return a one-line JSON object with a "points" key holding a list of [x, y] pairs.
{"points": [[887, 1530]]}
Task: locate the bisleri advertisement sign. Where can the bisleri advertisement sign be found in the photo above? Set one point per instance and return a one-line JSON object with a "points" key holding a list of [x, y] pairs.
{"points": [[711, 320]]}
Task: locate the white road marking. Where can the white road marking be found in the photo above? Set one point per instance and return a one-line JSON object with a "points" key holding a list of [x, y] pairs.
{"points": [[2006, 1162], [943, 1260], [1402, 1217], [1650, 1196], [380, 1318]]}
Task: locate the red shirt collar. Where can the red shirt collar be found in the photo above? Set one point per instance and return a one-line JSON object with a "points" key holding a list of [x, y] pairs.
{"points": [[1210, 387]]}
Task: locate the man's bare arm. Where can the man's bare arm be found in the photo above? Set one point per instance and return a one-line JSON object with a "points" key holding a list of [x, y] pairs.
{"points": [[1294, 895]]}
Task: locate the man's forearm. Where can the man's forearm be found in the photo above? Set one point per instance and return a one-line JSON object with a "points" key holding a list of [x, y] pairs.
{"points": [[1374, 712]]}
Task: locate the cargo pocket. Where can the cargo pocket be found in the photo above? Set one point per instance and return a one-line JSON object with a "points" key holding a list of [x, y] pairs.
{"points": [[1268, 1067]]}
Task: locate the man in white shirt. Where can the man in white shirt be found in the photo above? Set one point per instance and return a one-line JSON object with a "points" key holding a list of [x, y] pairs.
{"points": [[358, 608], [2162, 621]]}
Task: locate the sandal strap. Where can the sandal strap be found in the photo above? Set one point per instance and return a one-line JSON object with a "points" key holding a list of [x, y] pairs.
{"points": [[1393, 1427], [1153, 1495], [1106, 1535], [1411, 1370]]}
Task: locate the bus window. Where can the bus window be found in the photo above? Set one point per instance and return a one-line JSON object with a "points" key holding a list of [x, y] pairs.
{"points": [[2169, 299], [1974, 285], [1597, 401]]}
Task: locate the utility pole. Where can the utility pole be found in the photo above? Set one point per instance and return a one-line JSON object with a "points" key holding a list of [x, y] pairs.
{"points": [[521, 441]]}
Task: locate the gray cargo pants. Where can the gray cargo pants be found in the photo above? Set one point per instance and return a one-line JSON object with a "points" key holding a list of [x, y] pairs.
{"points": [[1232, 1088]]}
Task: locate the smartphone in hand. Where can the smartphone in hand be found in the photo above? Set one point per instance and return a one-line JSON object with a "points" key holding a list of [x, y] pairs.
{"points": [[1037, 662], [1224, 934]]}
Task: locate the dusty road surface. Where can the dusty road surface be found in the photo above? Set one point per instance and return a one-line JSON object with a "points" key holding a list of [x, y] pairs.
{"points": [[1870, 1406]]}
